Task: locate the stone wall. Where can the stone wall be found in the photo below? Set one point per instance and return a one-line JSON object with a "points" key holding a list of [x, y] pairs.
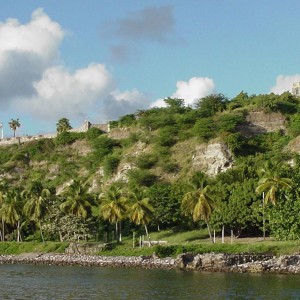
{"points": [[212, 262], [25, 139]]}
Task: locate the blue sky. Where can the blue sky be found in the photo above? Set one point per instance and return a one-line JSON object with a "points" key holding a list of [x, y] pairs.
{"points": [[98, 60]]}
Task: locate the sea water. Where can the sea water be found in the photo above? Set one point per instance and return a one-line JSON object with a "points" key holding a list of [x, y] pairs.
{"points": [[74, 282]]}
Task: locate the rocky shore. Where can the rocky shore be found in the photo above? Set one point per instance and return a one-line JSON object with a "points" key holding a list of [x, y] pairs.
{"points": [[214, 262]]}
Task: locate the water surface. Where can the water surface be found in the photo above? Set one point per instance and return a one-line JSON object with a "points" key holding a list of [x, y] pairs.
{"points": [[54, 282]]}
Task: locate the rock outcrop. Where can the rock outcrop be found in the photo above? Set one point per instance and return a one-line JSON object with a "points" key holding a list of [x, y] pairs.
{"points": [[212, 158], [259, 122]]}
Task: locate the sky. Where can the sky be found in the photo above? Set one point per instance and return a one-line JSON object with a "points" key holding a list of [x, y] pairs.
{"points": [[97, 60]]}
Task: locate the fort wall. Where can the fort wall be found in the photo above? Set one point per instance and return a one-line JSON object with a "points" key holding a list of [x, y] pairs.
{"points": [[29, 138]]}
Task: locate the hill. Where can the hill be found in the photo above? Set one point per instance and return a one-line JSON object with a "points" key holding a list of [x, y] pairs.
{"points": [[229, 144]]}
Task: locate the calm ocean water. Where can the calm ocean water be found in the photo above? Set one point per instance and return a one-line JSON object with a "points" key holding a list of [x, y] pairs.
{"points": [[53, 282]]}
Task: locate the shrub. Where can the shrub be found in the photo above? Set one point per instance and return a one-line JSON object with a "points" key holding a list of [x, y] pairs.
{"points": [[110, 164], [204, 129], [67, 138], [146, 160], [103, 146], [167, 136], [93, 133], [139, 177], [228, 122]]}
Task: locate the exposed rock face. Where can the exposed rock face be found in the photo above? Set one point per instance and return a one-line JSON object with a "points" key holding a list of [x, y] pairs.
{"points": [[121, 174], [212, 159], [294, 145], [260, 122]]}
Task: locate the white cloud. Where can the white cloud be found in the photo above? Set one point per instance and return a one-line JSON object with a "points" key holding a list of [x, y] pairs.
{"points": [[159, 103], [25, 52], [195, 88], [41, 36], [32, 81], [60, 93], [284, 83], [190, 91]]}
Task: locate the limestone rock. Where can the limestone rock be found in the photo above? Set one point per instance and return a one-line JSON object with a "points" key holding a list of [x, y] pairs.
{"points": [[212, 159]]}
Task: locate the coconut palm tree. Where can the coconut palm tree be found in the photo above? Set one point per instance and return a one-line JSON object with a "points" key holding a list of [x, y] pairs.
{"points": [[12, 210], [140, 211], [14, 124], [78, 201], [37, 204], [63, 125], [113, 207], [199, 202], [3, 190], [272, 186]]}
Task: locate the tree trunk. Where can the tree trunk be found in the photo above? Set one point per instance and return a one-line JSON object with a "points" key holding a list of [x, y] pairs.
{"points": [[60, 236], [208, 228], [147, 234], [117, 232], [42, 236], [3, 230], [120, 231], [18, 232]]}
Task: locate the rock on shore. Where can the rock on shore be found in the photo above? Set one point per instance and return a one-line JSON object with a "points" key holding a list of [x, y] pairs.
{"points": [[214, 262]]}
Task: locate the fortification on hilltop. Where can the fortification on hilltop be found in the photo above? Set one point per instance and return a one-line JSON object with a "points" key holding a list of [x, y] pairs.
{"points": [[296, 89], [28, 138]]}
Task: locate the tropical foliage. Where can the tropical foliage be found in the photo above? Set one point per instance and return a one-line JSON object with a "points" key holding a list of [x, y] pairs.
{"points": [[142, 176]]}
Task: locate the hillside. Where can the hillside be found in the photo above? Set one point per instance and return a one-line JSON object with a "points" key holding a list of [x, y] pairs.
{"points": [[226, 142]]}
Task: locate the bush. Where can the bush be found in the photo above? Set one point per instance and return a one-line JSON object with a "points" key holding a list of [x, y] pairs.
{"points": [[146, 161], [228, 122], [110, 164], [167, 136], [93, 133], [204, 129], [67, 138], [103, 146], [139, 177]]}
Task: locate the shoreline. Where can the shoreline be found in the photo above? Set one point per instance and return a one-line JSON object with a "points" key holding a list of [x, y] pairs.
{"points": [[212, 262]]}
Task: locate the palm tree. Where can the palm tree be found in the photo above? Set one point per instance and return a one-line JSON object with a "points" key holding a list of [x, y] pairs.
{"points": [[78, 201], [113, 207], [63, 125], [199, 202], [37, 204], [14, 124], [3, 190], [140, 211], [272, 185], [12, 210]]}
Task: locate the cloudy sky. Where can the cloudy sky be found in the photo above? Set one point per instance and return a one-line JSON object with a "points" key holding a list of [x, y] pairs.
{"points": [[100, 59]]}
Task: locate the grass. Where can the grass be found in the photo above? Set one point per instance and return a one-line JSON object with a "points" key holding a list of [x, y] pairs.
{"points": [[28, 247], [195, 241]]}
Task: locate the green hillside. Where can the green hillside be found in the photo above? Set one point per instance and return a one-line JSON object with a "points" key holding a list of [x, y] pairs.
{"points": [[176, 168]]}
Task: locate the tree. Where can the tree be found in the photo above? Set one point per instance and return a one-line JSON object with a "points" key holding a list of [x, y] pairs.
{"points": [[199, 202], [272, 183], [140, 211], [14, 124], [211, 104], [77, 200], [12, 210], [63, 125], [37, 204], [165, 199], [113, 207]]}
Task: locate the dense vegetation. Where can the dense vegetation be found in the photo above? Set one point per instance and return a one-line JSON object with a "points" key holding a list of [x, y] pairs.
{"points": [[74, 187]]}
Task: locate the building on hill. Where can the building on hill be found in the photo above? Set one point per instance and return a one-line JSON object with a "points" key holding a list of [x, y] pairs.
{"points": [[296, 89]]}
